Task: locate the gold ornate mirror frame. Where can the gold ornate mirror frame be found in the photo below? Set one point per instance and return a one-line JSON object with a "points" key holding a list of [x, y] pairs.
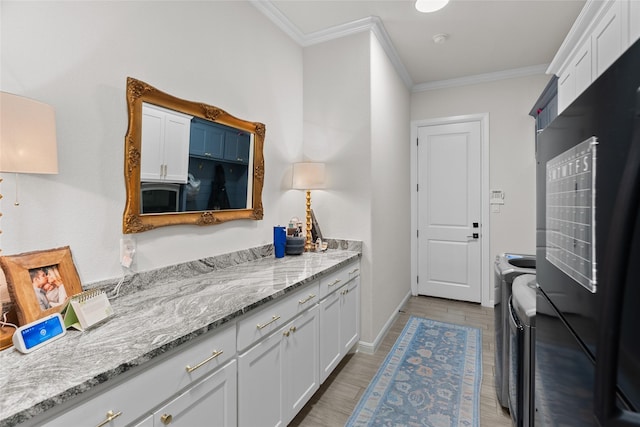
{"points": [[135, 222]]}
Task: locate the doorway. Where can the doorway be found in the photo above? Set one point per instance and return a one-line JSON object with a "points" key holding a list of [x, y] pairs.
{"points": [[450, 247]]}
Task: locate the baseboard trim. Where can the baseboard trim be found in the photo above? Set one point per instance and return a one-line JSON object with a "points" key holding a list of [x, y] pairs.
{"points": [[372, 347]]}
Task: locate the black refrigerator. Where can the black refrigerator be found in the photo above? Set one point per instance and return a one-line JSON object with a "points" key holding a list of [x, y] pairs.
{"points": [[587, 337]]}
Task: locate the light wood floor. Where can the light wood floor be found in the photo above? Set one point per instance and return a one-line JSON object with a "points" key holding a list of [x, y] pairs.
{"points": [[333, 403]]}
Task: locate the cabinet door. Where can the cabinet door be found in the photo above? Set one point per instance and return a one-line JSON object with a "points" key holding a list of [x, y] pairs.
{"points": [[260, 373], [330, 346], [302, 376], [164, 145], [236, 146], [211, 402], [350, 315], [151, 164], [206, 140], [582, 68], [176, 148], [566, 89], [634, 21], [607, 39]]}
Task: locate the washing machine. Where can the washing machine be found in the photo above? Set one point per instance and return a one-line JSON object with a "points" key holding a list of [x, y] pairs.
{"points": [[522, 321], [507, 267]]}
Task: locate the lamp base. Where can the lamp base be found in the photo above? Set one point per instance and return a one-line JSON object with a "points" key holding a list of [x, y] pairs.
{"points": [[309, 246]]}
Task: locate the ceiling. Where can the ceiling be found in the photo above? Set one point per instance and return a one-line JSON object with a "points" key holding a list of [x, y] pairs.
{"points": [[484, 36]]}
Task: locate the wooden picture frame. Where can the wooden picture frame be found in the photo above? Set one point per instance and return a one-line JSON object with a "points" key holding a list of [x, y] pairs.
{"points": [[50, 272], [315, 228]]}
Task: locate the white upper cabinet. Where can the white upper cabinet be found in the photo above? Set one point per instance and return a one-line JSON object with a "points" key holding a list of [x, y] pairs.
{"points": [[601, 33], [607, 39], [165, 145], [582, 68], [634, 21]]}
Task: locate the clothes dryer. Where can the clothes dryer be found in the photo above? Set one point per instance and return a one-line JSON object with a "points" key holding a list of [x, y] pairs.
{"points": [[507, 267]]}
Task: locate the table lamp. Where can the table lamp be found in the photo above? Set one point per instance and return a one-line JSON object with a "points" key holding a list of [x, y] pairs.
{"points": [[27, 145], [308, 176]]}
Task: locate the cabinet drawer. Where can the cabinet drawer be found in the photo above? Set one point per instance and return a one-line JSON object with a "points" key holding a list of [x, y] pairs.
{"points": [[197, 360], [266, 320], [353, 270], [338, 278]]}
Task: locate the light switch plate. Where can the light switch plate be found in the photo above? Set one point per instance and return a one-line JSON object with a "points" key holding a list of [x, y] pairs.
{"points": [[497, 197]]}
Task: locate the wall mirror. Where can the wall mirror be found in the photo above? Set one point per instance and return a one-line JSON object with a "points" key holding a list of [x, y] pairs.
{"points": [[188, 163]]}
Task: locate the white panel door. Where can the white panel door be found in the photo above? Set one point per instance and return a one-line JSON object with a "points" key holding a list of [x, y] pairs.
{"points": [[449, 203]]}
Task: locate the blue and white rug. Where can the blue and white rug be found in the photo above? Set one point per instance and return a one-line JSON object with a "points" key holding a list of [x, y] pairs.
{"points": [[430, 378]]}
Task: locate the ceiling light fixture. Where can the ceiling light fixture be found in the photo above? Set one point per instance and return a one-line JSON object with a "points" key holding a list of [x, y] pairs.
{"points": [[427, 6]]}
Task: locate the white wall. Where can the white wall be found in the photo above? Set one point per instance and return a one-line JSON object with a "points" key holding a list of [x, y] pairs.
{"points": [[356, 119], [76, 56], [337, 131], [511, 147], [391, 192]]}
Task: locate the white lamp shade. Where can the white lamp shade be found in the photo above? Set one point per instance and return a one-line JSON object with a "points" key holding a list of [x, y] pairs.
{"points": [[308, 176], [27, 136]]}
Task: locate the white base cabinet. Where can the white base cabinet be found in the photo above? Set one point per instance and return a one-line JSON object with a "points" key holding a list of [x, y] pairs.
{"points": [[137, 396], [339, 325], [277, 376], [259, 371]]}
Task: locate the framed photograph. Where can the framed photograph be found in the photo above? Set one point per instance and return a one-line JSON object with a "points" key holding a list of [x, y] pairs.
{"points": [[40, 282], [315, 228]]}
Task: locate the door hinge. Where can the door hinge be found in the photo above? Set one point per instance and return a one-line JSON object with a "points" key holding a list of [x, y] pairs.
{"points": [[417, 139], [417, 233], [417, 279], [417, 187]]}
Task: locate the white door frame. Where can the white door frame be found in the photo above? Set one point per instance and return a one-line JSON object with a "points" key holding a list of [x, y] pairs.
{"points": [[483, 118]]}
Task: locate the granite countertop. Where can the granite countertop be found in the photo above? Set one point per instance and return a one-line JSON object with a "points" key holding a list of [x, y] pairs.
{"points": [[169, 311]]}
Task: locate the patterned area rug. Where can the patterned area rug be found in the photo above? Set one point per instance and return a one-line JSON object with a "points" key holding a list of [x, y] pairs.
{"points": [[431, 377]]}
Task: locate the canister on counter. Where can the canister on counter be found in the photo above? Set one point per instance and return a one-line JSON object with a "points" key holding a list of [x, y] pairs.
{"points": [[279, 241]]}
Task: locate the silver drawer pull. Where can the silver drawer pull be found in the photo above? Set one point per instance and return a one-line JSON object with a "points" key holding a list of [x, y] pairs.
{"points": [[273, 319], [335, 282], [307, 299], [207, 360], [355, 270], [110, 417]]}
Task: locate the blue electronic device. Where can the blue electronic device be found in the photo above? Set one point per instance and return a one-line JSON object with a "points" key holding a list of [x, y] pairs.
{"points": [[34, 335]]}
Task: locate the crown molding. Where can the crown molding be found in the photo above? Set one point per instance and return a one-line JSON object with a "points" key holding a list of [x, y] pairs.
{"points": [[375, 25], [278, 18], [481, 78], [372, 23]]}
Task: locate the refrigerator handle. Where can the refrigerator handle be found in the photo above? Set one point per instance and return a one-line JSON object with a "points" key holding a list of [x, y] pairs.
{"points": [[616, 262]]}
